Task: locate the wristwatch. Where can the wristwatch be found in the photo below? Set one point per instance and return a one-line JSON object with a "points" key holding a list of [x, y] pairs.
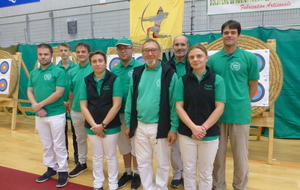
{"points": [[104, 125]]}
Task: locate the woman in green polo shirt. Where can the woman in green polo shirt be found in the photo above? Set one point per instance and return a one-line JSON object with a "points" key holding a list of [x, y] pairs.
{"points": [[100, 101], [200, 99]]}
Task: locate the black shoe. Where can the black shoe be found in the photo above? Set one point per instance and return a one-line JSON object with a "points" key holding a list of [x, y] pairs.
{"points": [[49, 173], [124, 180], [62, 179], [78, 170], [135, 182]]}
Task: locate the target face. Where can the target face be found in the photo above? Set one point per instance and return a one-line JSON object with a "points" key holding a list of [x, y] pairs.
{"points": [[141, 59], [4, 67], [259, 94], [260, 61], [115, 61], [3, 85]]}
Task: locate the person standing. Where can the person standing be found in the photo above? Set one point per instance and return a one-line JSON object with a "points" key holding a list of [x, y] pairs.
{"points": [[150, 116], [67, 65], [200, 98], [240, 72], [77, 75], [124, 70], [180, 65], [100, 101], [45, 89]]}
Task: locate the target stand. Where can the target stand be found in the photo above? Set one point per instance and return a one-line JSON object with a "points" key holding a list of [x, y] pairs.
{"points": [[262, 116], [10, 99]]}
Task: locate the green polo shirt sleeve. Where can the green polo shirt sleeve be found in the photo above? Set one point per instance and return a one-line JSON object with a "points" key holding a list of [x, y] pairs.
{"points": [[174, 117], [117, 88], [253, 68]]}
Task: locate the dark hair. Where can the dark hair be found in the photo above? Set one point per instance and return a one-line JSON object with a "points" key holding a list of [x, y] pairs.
{"points": [[87, 46], [95, 52], [47, 46], [232, 24], [197, 46], [151, 40], [65, 45]]}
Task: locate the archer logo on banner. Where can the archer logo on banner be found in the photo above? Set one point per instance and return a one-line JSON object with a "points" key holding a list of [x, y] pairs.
{"points": [[7, 3]]}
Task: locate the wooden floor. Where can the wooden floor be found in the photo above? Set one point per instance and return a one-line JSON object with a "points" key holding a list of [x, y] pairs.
{"points": [[22, 150]]}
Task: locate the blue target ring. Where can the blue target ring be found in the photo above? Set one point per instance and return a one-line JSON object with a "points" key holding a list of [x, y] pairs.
{"points": [[141, 59], [4, 67], [115, 61], [3, 85], [260, 61], [259, 94]]}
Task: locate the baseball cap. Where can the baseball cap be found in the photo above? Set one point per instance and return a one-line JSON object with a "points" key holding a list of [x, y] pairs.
{"points": [[124, 41]]}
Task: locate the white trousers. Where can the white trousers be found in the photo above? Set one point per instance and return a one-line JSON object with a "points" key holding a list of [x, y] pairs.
{"points": [[52, 135], [176, 161], [199, 155], [105, 146], [78, 122], [125, 146], [145, 145]]}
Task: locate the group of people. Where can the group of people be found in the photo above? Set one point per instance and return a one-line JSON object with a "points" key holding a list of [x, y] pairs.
{"points": [[182, 111]]}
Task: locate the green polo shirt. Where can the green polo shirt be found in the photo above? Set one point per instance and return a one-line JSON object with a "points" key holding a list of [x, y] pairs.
{"points": [[44, 83], [117, 92], [180, 68], [125, 72], [219, 95], [236, 70], [148, 101], [76, 77], [67, 70]]}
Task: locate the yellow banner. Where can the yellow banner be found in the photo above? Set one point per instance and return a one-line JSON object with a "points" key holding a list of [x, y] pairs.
{"points": [[160, 20]]}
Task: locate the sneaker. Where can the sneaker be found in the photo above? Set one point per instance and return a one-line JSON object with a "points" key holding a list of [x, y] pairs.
{"points": [[78, 170], [49, 173], [62, 179], [175, 183], [135, 182], [124, 180]]}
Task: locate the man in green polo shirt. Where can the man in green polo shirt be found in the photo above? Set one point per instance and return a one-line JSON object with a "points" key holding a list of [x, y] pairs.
{"points": [[67, 65], [240, 72], [181, 66], [45, 89], [150, 116], [124, 71], [76, 77]]}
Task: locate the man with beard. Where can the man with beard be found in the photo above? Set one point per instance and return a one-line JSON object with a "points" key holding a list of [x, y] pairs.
{"points": [[179, 63], [150, 116], [45, 89]]}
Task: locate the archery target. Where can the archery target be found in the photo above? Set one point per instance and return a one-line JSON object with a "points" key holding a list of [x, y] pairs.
{"points": [[259, 94], [4, 67], [141, 59], [260, 61], [115, 61], [3, 85]]}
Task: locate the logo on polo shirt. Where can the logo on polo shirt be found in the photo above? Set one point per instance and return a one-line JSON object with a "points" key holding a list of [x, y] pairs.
{"points": [[208, 87], [130, 73], [158, 83], [47, 76], [106, 88], [235, 66]]}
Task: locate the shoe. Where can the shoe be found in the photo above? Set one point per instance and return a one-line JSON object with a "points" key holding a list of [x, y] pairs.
{"points": [[135, 182], [78, 170], [62, 179], [176, 183], [124, 180], [101, 188], [49, 173]]}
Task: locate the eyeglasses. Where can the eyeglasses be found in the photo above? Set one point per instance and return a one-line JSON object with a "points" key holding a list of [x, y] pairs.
{"points": [[124, 49], [153, 51]]}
